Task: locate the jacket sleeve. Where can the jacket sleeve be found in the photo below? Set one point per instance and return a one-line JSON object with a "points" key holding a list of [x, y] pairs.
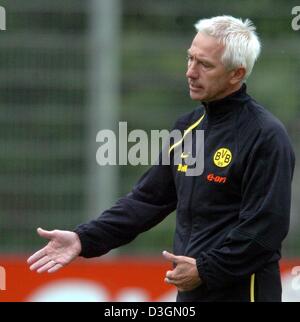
{"points": [[263, 218], [150, 201]]}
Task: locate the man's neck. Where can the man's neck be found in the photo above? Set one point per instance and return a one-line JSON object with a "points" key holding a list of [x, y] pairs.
{"points": [[226, 93]]}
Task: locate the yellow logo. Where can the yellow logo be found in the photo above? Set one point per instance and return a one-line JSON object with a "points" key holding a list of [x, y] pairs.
{"points": [[222, 158], [182, 168]]}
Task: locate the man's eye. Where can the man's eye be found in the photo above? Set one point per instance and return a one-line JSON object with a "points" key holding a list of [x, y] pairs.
{"points": [[205, 65]]}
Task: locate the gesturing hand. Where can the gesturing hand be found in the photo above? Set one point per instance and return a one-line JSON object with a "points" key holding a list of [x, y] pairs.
{"points": [[185, 275], [63, 247]]}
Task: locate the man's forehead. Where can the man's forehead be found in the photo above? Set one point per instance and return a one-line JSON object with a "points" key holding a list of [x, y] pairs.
{"points": [[204, 44]]}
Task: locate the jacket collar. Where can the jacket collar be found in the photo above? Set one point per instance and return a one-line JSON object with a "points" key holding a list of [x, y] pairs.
{"points": [[227, 105]]}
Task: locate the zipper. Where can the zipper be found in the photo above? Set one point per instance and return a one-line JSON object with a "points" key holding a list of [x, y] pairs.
{"points": [[194, 178]]}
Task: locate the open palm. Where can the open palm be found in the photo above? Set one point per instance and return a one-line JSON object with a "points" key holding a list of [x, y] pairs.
{"points": [[63, 247]]}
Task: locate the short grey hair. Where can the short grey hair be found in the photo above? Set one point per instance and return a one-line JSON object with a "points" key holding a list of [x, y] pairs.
{"points": [[242, 45]]}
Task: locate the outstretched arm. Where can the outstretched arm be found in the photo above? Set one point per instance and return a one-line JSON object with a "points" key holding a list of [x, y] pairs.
{"points": [[150, 201], [63, 248]]}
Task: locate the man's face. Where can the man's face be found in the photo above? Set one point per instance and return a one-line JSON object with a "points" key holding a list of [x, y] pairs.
{"points": [[207, 76]]}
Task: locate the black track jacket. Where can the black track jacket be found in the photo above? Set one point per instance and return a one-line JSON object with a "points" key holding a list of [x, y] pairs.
{"points": [[232, 218]]}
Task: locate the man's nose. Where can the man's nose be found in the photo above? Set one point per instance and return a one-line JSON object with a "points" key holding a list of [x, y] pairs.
{"points": [[192, 71]]}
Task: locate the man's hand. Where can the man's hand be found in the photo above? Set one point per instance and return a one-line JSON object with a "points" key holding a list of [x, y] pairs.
{"points": [[63, 247], [185, 275]]}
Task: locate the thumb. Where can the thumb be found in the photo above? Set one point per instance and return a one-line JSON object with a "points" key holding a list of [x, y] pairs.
{"points": [[45, 233], [170, 257]]}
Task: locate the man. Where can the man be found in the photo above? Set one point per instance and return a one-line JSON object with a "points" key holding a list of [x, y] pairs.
{"points": [[231, 220]]}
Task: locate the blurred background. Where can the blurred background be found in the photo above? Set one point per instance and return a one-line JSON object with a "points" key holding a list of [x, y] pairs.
{"points": [[71, 68]]}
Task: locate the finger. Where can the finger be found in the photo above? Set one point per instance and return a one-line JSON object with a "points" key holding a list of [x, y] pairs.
{"points": [[46, 267], [170, 257], [171, 275], [44, 260], [36, 256], [169, 281], [45, 233], [55, 268]]}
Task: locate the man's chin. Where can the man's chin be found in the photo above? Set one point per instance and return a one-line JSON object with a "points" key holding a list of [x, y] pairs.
{"points": [[196, 96]]}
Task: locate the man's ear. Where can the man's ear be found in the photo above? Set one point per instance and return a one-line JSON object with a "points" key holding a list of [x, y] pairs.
{"points": [[237, 75]]}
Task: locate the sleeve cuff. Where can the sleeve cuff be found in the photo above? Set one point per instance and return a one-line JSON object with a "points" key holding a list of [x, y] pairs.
{"points": [[200, 263], [80, 234]]}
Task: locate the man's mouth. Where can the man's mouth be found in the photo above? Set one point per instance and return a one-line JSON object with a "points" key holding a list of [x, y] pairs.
{"points": [[195, 88]]}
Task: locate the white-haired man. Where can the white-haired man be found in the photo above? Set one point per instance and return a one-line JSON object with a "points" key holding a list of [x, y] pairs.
{"points": [[231, 220]]}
